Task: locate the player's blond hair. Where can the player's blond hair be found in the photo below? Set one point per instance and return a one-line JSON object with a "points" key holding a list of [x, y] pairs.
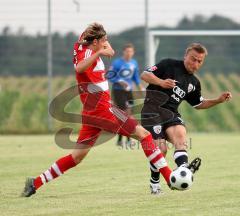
{"points": [[93, 31], [198, 48]]}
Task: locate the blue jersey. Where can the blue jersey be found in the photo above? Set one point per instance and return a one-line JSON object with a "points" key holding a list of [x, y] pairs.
{"points": [[124, 71]]}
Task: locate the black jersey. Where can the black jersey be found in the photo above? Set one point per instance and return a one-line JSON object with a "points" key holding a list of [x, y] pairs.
{"points": [[187, 85]]}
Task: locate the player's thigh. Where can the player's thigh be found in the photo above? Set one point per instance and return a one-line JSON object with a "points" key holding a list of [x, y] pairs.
{"points": [[118, 121], [86, 139], [111, 119], [114, 120], [87, 135], [177, 135]]}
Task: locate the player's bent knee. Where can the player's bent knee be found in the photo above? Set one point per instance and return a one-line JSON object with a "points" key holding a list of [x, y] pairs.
{"points": [[179, 141], [140, 132]]}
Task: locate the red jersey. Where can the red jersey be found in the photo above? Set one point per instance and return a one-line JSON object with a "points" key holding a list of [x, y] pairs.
{"points": [[98, 113], [92, 82]]}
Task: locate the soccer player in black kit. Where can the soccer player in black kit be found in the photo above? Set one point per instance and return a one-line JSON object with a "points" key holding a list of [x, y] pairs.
{"points": [[170, 82]]}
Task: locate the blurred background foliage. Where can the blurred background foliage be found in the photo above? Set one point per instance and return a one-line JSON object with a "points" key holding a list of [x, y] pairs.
{"points": [[23, 80]]}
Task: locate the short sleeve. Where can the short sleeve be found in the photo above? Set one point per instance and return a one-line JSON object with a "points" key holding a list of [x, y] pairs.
{"points": [[159, 68], [80, 54], [195, 98]]}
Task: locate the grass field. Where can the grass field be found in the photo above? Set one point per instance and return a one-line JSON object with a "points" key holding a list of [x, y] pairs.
{"points": [[113, 181]]}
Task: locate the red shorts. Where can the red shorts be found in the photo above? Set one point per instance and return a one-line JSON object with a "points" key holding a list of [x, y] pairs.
{"points": [[110, 119]]}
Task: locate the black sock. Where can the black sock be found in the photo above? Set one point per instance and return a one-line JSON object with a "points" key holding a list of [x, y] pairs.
{"points": [[119, 138], [180, 157], [155, 174]]}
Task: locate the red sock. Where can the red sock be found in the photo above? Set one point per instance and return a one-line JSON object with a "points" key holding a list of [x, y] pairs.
{"points": [[57, 169], [155, 156]]}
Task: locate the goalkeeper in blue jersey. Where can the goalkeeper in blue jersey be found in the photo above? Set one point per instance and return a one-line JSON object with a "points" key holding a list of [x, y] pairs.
{"points": [[122, 73]]}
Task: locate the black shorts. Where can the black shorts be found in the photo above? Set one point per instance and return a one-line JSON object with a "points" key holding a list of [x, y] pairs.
{"points": [[158, 130], [122, 99], [157, 119]]}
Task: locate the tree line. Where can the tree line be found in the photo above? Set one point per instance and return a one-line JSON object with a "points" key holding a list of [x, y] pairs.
{"points": [[22, 54]]}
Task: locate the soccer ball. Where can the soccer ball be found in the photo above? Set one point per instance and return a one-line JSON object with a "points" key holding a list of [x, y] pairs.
{"points": [[181, 178]]}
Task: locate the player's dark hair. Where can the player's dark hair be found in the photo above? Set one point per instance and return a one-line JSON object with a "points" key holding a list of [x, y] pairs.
{"points": [[128, 45], [93, 31], [198, 48]]}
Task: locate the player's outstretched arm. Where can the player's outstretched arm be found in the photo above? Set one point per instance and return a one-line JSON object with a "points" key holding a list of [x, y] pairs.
{"points": [[208, 103]]}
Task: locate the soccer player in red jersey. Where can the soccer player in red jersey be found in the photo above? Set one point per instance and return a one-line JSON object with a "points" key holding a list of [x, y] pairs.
{"points": [[98, 113]]}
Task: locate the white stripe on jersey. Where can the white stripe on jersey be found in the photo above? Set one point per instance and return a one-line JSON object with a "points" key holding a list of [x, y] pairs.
{"points": [[88, 53], [99, 66], [98, 87]]}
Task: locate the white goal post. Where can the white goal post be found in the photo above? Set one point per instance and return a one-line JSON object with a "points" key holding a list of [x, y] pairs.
{"points": [[154, 40]]}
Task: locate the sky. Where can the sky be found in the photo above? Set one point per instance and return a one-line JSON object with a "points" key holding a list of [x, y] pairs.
{"points": [[115, 15]]}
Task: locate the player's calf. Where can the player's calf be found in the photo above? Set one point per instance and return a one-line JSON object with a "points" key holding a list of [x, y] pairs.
{"points": [[155, 157], [57, 169]]}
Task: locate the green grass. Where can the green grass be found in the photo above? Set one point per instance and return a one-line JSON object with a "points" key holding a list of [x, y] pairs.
{"points": [[111, 181]]}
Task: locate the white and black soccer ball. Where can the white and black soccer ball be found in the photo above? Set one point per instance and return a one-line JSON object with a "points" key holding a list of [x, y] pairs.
{"points": [[181, 178]]}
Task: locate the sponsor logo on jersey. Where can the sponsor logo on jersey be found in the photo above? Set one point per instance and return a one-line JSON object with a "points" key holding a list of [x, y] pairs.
{"points": [[190, 87], [131, 66], [125, 72], [153, 68], [178, 91], [175, 97], [157, 129]]}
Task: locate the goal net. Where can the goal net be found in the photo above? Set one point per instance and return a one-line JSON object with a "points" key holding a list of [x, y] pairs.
{"points": [[222, 46]]}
